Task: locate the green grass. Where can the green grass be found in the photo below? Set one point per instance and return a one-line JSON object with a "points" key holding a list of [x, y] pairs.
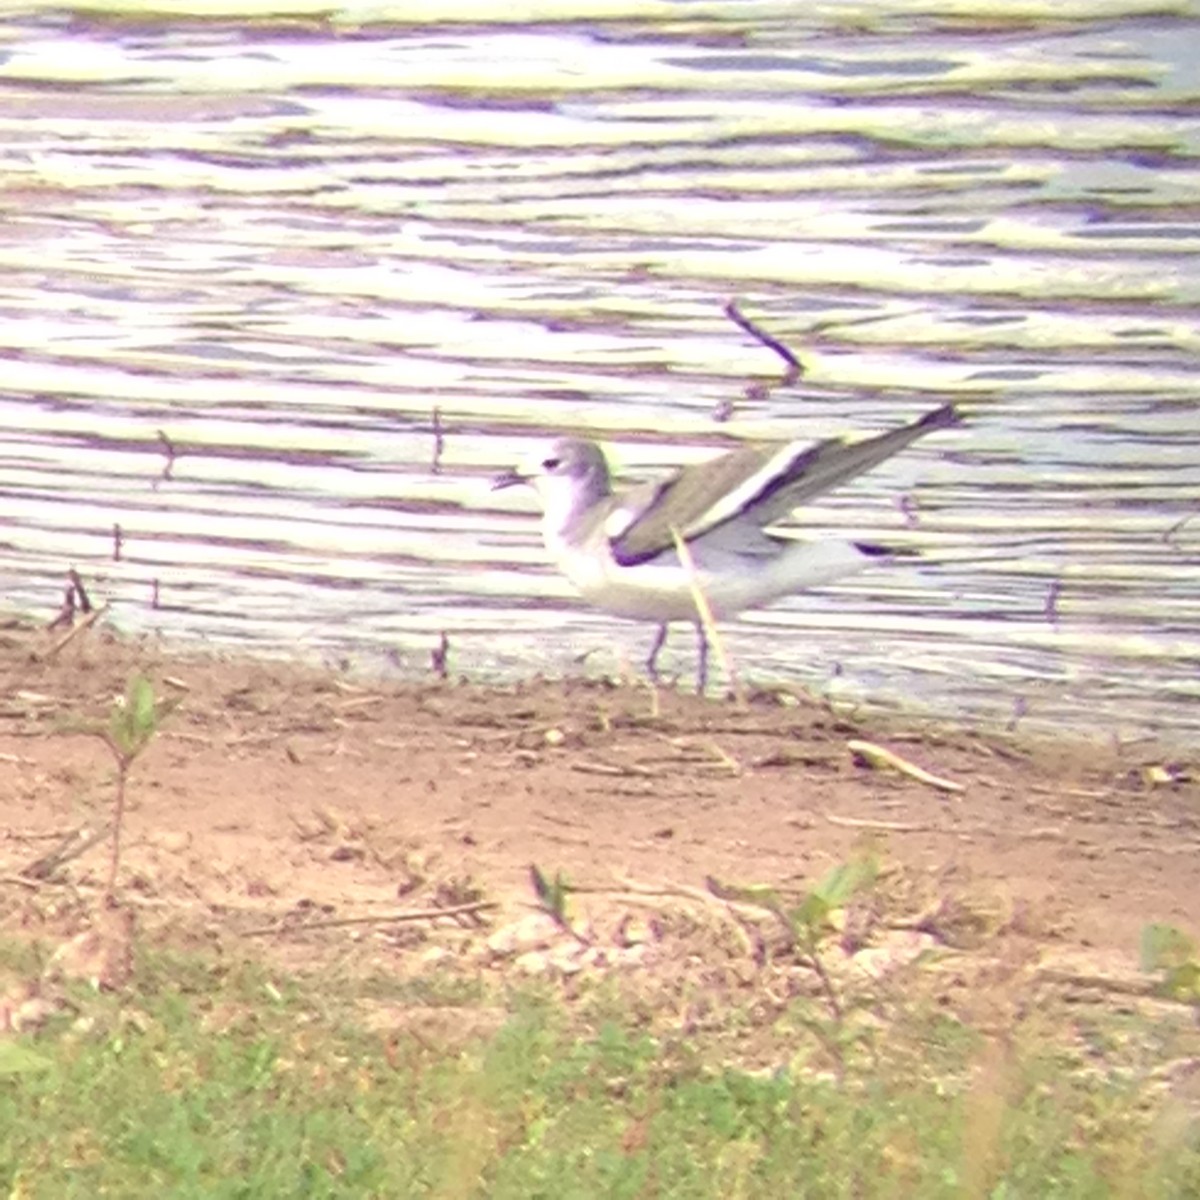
{"points": [[210, 1081]]}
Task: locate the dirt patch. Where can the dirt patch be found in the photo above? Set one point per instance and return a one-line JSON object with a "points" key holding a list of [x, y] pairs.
{"points": [[277, 797]]}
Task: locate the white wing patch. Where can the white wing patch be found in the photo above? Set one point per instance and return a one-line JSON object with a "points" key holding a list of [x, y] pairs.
{"points": [[619, 520], [737, 500]]}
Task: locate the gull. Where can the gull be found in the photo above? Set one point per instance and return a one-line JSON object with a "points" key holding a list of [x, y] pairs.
{"points": [[619, 548]]}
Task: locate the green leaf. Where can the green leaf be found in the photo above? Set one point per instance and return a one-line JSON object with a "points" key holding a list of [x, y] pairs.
{"points": [[139, 700], [18, 1059], [846, 880], [812, 913], [541, 885], [834, 891], [1183, 983], [135, 718], [552, 894], [1164, 947]]}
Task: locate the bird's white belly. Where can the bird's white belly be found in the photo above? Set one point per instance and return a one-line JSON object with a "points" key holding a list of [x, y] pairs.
{"points": [[662, 589]]}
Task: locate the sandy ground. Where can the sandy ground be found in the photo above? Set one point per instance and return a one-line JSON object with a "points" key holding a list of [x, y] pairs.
{"points": [[276, 796]]}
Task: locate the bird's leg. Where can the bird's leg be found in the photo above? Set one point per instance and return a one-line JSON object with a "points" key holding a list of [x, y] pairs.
{"points": [[701, 660], [660, 639]]}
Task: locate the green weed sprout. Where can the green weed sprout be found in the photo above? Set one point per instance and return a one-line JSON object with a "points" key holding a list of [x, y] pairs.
{"points": [[810, 925], [132, 724], [551, 895], [1176, 958]]}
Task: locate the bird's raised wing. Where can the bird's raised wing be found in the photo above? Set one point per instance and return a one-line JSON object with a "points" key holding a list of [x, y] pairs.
{"points": [[761, 481]]}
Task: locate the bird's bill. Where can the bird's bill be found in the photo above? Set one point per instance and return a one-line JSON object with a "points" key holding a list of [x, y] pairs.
{"points": [[507, 479]]}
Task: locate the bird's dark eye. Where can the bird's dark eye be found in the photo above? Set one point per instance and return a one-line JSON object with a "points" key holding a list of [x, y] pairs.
{"points": [[551, 464]]}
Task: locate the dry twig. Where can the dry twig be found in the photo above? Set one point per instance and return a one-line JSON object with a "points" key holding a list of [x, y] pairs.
{"points": [[76, 842], [795, 368], [75, 631], [415, 914], [885, 826], [870, 755]]}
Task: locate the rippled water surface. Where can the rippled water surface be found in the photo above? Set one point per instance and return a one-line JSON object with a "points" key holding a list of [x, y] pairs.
{"points": [[290, 245]]}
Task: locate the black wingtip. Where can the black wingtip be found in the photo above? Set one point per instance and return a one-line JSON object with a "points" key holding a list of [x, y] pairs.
{"points": [[941, 418], [875, 550]]}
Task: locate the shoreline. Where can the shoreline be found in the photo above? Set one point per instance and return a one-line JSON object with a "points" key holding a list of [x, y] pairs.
{"points": [[271, 776], [1023, 730]]}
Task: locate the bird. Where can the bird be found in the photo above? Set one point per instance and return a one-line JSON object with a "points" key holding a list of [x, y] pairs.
{"points": [[619, 547]]}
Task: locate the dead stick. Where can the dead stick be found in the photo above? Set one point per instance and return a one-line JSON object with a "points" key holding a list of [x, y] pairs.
{"points": [[624, 769], [1169, 536], [171, 453], [439, 442], [1129, 987], [888, 826], [66, 612], [85, 601], [52, 835], [416, 914], [77, 842], [76, 630], [439, 657], [795, 366], [20, 880], [737, 914]]}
